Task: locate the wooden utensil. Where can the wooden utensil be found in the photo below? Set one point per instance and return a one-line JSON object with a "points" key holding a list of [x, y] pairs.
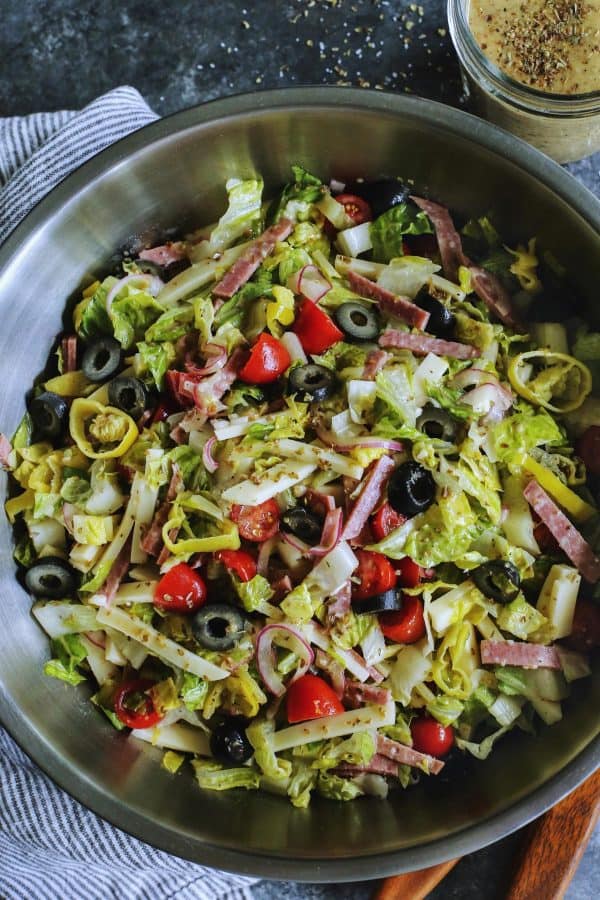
{"points": [[553, 847]]}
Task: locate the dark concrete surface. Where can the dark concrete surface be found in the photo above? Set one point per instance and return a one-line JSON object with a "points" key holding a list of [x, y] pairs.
{"points": [[57, 54]]}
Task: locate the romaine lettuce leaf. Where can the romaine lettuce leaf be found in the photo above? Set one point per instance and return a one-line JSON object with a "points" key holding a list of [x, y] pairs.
{"points": [[513, 437], [212, 776], [193, 691], [171, 325], [132, 312], [90, 316], [69, 653], [387, 230], [336, 788], [302, 782], [243, 214], [357, 750], [235, 310], [155, 359], [297, 196]]}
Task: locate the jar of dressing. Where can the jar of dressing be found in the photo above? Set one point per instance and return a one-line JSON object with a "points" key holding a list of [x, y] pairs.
{"points": [[533, 67]]}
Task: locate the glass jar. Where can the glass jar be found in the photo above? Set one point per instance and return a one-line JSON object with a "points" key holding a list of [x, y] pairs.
{"points": [[564, 126]]}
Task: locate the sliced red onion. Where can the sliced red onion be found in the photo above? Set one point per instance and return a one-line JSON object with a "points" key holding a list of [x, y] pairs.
{"points": [[488, 397], [292, 640], [295, 542], [153, 285], [97, 638], [310, 282], [264, 554], [470, 376], [366, 443], [292, 344], [68, 513], [331, 534], [216, 359], [210, 464], [329, 665]]}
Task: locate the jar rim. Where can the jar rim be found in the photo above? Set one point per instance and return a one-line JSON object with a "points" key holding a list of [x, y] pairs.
{"points": [[529, 98]]}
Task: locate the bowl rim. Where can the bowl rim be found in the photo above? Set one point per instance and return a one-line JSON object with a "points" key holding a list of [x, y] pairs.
{"points": [[91, 793]]}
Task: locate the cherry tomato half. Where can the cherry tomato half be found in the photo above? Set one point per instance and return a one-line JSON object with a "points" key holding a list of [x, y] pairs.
{"points": [[585, 631], [409, 572], [588, 448], [133, 707], [315, 330], [239, 562], [180, 590], [356, 208], [311, 698], [431, 737], [256, 523], [375, 574], [385, 520], [268, 360], [406, 625]]}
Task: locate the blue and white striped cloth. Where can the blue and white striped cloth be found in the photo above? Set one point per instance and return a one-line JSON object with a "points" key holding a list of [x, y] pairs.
{"points": [[50, 845]]}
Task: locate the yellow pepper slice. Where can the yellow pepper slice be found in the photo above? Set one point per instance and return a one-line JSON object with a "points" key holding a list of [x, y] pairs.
{"points": [[94, 426], [71, 384], [568, 499], [19, 504], [229, 539], [541, 388], [280, 311]]}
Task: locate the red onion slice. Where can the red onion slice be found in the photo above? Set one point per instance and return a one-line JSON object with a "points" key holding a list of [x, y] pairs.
{"points": [[216, 359], [152, 282], [319, 501], [210, 464], [310, 282], [265, 655], [97, 638], [331, 534], [295, 542]]}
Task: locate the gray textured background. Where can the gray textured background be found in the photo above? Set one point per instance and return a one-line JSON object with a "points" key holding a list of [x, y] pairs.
{"points": [[62, 53]]}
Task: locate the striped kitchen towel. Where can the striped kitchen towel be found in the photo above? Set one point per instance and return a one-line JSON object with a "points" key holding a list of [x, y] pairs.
{"points": [[50, 845]]}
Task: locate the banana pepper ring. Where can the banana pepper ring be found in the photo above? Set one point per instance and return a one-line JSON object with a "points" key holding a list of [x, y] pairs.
{"points": [[101, 432], [562, 378]]}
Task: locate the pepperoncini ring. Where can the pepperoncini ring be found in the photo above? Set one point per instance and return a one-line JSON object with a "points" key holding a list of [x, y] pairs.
{"points": [[557, 373], [94, 426]]}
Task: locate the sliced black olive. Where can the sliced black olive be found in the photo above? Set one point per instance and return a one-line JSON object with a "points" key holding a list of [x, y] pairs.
{"points": [[101, 359], [50, 577], [437, 423], [129, 394], [357, 321], [498, 580], [228, 742], [387, 602], [441, 319], [381, 193], [49, 413], [303, 524], [218, 626], [411, 489], [311, 382]]}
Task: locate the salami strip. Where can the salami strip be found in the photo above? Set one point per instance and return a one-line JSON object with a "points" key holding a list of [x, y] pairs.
{"points": [[5, 451], [448, 238], [422, 344], [401, 307], [379, 765], [357, 694], [514, 653], [247, 264], [571, 542], [166, 254], [69, 352], [152, 542], [368, 498], [400, 753], [490, 289], [375, 362]]}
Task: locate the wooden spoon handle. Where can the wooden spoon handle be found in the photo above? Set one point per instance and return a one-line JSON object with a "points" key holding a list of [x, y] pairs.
{"points": [[413, 885], [555, 844]]}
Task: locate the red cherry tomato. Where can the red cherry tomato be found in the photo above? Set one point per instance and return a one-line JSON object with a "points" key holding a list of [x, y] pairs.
{"points": [[406, 625], [385, 520], [375, 575], [133, 706], [180, 590], [311, 698], [239, 562], [257, 523], [585, 632], [315, 330], [268, 360], [356, 208], [409, 573], [588, 448], [431, 737]]}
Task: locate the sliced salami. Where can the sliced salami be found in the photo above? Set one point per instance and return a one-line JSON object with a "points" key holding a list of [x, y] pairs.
{"points": [[379, 765], [166, 254], [368, 498], [399, 306], [490, 289], [247, 264], [571, 542], [516, 653], [69, 353], [421, 344], [406, 756], [375, 362], [448, 238], [357, 694]]}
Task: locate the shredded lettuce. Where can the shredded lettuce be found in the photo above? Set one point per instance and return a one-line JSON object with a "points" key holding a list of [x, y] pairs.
{"points": [[395, 388], [242, 216], [517, 434], [155, 359], [336, 788], [445, 709], [259, 734], [520, 618], [235, 310], [253, 593], [482, 749], [357, 750], [132, 312], [170, 325], [303, 780], [213, 776], [69, 652], [388, 229], [298, 196], [193, 691], [90, 316]]}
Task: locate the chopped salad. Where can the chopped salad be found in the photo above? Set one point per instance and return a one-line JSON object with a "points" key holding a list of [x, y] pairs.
{"points": [[305, 499]]}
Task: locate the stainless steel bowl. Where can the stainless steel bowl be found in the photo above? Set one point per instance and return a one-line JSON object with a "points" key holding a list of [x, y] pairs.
{"points": [[173, 172]]}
